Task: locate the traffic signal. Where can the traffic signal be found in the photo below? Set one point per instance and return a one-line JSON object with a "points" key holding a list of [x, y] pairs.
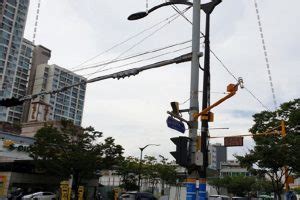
{"points": [[10, 102], [175, 108], [181, 154]]}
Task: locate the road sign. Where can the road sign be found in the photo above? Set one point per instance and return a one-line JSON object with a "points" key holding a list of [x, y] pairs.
{"points": [[233, 141], [175, 124]]}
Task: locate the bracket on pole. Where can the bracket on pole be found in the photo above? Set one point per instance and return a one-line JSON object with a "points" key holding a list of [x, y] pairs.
{"points": [[180, 118], [231, 88]]}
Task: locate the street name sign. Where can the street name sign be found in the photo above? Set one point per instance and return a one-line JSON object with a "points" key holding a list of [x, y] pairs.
{"points": [[233, 141], [175, 124]]}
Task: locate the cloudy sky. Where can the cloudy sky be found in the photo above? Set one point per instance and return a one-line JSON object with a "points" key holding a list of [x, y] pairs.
{"points": [[133, 110]]}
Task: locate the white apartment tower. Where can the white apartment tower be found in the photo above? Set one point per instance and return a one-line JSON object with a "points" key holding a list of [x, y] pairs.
{"points": [[65, 105], [15, 53]]}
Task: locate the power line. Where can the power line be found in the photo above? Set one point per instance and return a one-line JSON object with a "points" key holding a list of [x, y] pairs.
{"points": [[123, 42], [181, 13], [167, 20], [116, 75], [265, 53], [202, 91], [134, 56], [142, 60], [170, 19], [251, 93], [227, 69], [95, 65]]}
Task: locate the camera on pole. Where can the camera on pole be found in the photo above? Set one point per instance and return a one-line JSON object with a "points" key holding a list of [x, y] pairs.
{"points": [[181, 154]]}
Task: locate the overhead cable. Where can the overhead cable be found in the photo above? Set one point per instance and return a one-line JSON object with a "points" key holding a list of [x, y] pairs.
{"points": [[135, 62], [116, 75], [263, 42], [123, 42], [95, 65], [128, 39], [142, 60], [170, 19], [227, 69]]}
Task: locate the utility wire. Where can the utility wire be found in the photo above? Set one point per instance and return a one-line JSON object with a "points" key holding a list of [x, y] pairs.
{"points": [[139, 61], [202, 91], [265, 53], [251, 93], [119, 44], [116, 75], [123, 42], [227, 69], [170, 19], [108, 62], [181, 13], [95, 65], [142, 60]]}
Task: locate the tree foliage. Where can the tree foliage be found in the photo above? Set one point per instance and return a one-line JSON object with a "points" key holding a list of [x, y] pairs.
{"points": [[240, 185], [72, 150], [272, 153], [152, 170], [128, 170]]}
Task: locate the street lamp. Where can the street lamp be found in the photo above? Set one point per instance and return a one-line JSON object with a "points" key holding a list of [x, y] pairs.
{"points": [[194, 104], [140, 164], [140, 15]]}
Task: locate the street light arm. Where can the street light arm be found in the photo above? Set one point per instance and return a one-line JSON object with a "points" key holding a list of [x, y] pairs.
{"points": [[140, 15], [169, 3], [142, 148]]}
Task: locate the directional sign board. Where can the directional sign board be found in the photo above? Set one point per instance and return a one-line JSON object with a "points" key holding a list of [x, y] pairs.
{"points": [[175, 124], [233, 141]]}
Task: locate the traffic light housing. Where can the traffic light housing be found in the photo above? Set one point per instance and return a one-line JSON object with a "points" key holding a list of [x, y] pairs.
{"points": [[181, 154], [175, 108], [11, 102]]}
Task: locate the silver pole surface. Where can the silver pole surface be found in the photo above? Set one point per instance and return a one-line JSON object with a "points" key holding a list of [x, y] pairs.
{"points": [[194, 88], [194, 100]]}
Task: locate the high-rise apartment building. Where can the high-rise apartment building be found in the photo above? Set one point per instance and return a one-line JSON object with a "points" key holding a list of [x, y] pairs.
{"points": [[41, 55], [217, 154], [21, 80], [15, 55], [65, 105]]}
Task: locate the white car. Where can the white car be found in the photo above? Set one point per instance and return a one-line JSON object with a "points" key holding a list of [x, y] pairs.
{"points": [[40, 196], [218, 197]]}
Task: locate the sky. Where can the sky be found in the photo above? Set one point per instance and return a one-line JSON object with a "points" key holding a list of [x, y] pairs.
{"points": [[133, 110]]}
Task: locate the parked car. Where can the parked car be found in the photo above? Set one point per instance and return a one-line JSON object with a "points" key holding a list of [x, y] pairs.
{"points": [[40, 196], [239, 198], [15, 195], [218, 197], [137, 196], [265, 197]]}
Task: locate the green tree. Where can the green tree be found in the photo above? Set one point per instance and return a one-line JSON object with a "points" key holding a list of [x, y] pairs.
{"points": [[166, 172], [128, 170], [149, 171], [262, 185], [72, 150], [152, 170], [239, 185], [273, 153], [217, 183]]}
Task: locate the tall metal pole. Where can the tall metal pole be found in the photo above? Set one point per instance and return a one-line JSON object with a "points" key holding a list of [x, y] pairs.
{"points": [[194, 101], [205, 104], [140, 169]]}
